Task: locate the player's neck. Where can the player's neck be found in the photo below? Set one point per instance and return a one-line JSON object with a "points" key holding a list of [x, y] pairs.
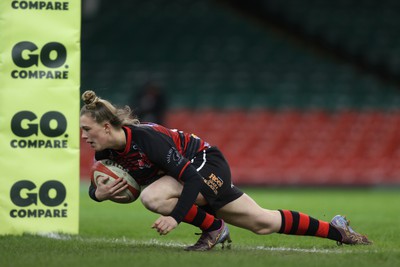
{"points": [[119, 140]]}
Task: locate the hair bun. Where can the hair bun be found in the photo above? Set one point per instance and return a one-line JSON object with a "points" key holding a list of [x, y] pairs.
{"points": [[90, 99]]}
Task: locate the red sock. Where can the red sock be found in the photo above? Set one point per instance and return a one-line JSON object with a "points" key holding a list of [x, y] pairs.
{"points": [[201, 219], [297, 223]]}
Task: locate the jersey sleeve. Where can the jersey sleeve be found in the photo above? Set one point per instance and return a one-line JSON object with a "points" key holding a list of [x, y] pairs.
{"points": [[92, 189], [161, 150], [92, 192], [104, 154]]}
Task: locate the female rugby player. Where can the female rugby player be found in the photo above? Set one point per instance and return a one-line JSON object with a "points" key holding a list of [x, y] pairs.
{"points": [[185, 179]]}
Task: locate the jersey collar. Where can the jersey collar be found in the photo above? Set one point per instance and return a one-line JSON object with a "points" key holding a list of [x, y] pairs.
{"points": [[128, 136]]}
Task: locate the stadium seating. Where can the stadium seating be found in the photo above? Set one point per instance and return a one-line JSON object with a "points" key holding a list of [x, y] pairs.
{"points": [[206, 56], [362, 28], [281, 112], [301, 147]]}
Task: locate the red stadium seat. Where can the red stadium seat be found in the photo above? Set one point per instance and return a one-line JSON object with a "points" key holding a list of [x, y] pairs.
{"points": [[302, 147]]}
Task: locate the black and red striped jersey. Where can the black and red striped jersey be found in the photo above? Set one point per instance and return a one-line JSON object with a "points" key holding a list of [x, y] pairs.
{"points": [[153, 150]]}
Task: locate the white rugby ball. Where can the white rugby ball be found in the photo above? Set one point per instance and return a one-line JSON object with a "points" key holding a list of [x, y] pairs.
{"points": [[111, 169]]}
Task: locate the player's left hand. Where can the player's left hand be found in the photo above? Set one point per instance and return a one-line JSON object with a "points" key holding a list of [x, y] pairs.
{"points": [[165, 224]]}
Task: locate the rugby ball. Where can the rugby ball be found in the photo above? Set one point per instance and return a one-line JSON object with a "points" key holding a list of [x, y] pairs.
{"points": [[111, 169]]}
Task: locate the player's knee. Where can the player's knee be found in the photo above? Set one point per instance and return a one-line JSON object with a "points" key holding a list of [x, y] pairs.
{"points": [[150, 201]]}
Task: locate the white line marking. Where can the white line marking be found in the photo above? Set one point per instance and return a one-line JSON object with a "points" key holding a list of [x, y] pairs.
{"points": [[171, 244]]}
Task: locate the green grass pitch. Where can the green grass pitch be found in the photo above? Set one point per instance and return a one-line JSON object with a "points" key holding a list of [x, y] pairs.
{"points": [[120, 235]]}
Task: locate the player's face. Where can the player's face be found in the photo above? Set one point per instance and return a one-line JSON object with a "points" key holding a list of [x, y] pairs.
{"points": [[93, 133]]}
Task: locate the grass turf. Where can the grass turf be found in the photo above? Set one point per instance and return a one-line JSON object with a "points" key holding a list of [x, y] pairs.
{"points": [[120, 235]]}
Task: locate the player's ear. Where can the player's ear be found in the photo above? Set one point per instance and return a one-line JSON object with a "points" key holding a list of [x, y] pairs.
{"points": [[107, 127]]}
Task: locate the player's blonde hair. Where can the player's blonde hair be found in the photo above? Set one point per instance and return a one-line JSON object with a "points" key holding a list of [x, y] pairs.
{"points": [[102, 110]]}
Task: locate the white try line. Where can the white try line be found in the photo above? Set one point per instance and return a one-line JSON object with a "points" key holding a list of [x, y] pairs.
{"points": [[171, 244]]}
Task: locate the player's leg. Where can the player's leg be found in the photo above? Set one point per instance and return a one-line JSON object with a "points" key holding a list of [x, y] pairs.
{"points": [[244, 212], [162, 195]]}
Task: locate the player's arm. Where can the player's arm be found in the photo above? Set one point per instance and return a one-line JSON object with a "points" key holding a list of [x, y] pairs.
{"points": [[192, 183], [161, 150]]}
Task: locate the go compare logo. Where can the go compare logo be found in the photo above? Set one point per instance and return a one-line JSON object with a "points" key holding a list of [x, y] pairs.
{"points": [[52, 56], [50, 129], [51, 194]]}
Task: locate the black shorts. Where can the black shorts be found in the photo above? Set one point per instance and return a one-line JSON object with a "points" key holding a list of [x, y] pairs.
{"points": [[218, 189]]}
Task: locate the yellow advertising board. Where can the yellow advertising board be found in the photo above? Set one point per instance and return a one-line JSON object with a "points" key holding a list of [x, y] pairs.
{"points": [[39, 116]]}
